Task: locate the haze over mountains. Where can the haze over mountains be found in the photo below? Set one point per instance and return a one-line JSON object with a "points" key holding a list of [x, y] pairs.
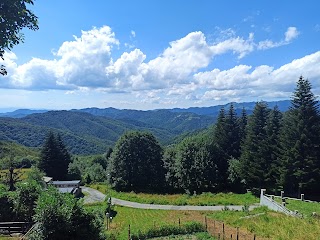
{"points": [[93, 130]]}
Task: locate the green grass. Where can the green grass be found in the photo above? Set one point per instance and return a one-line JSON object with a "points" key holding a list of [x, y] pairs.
{"points": [[204, 199], [271, 224], [196, 236], [305, 208], [144, 219]]}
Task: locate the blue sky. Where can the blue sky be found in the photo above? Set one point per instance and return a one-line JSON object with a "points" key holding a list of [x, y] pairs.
{"points": [[162, 54]]}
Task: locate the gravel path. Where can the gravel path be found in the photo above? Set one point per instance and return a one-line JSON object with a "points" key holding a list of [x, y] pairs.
{"points": [[96, 196]]}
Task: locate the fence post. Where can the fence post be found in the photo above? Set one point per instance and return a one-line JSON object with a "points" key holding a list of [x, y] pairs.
{"points": [[179, 223], [254, 237], [222, 230], [214, 227], [129, 234], [237, 233], [205, 220]]}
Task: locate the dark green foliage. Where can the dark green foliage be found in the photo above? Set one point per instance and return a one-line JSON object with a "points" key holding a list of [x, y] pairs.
{"points": [[254, 157], [301, 142], [62, 217], [273, 172], [6, 203], [191, 165], [25, 198], [88, 168], [14, 17], [54, 158], [227, 139], [167, 230], [136, 163]]}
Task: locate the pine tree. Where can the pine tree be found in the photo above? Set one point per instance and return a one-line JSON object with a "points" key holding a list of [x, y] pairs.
{"points": [[301, 142], [227, 139], [242, 121], [274, 125], [254, 155], [54, 158]]}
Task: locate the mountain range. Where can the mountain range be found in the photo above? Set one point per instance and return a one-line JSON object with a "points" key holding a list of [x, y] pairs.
{"points": [[93, 130]]}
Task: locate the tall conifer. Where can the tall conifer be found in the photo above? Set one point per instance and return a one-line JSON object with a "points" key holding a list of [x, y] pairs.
{"points": [[301, 142]]}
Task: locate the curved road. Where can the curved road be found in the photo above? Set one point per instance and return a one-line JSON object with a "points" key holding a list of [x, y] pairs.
{"points": [[96, 196]]}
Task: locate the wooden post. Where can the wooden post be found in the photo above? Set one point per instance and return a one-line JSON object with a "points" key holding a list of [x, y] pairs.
{"points": [[154, 224], [218, 236], [205, 220], [237, 233], [222, 230], [179, 223], [231, 237], [254, 237], [129, 234], [214, 227]]}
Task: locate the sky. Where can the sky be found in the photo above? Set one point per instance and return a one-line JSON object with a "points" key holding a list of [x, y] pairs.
{"points": [[162, 54]]}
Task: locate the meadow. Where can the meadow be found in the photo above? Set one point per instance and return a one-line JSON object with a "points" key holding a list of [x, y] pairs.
{"points": [[204, 199]]}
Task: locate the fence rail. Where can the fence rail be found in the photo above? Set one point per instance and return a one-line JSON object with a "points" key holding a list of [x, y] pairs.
{"points": [[14, 227]]}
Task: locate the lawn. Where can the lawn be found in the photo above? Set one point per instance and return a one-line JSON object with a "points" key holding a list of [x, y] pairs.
{"points": [[204, 199]]}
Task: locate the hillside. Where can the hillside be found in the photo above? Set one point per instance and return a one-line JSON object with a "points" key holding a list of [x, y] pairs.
{"points": [[82, 132]]}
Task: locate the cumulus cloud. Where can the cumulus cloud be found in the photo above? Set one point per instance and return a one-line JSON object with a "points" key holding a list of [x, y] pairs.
{"points": [[262, 81], [86, 63], [77, 63]]}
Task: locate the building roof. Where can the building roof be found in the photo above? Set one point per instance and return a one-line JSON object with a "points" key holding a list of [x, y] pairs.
{"points": [[66, 182], [47, 179], [66, 189]]}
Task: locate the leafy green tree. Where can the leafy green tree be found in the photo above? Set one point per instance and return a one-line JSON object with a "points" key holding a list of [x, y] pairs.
{"points": [[301, 142], [254, 155], [54, 158], [6, 203], [196, 165], [169, 161], [25, 198], [62, 217], [136, 163], [14, 17]]}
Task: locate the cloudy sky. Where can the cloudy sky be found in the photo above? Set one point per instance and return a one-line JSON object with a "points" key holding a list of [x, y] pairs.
{"points": [[162, 54]]}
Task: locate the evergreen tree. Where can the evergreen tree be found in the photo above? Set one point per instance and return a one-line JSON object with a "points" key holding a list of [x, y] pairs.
{"points": [[136, 163], [274, 125], [301, 142], [54, 158], [243, 121], [227, 139], [254, 157]]}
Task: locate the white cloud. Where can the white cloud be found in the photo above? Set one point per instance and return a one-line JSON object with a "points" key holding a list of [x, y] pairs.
{"points": [[86, 63], [291, 33], [133, 33], [78, 63]]}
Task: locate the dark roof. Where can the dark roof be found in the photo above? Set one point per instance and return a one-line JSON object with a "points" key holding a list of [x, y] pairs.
{"points": [[66, 182]]}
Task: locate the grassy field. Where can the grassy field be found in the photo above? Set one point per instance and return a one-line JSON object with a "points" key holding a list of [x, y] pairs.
{"points": [[142, 220], [205, 199], [196, 236], [268, 224], [306, 208]]}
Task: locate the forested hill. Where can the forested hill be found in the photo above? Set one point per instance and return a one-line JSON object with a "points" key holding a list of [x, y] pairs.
{"points": [[172, 121], [85, 133], [249, 106]]}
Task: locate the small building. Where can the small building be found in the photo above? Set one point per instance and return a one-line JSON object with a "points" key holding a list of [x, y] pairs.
{"points": [[72, 187]]}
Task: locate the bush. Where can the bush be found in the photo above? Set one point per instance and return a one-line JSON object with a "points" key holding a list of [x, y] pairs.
{"points": [[168, 230]]}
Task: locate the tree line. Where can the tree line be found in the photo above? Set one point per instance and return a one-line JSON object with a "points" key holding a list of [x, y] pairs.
{"points": [[269, 149]]}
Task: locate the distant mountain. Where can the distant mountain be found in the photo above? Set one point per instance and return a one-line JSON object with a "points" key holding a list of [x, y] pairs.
{"points": [[249, 106], [21, 113], [85, 133], [92, 130], [177, 122]]}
